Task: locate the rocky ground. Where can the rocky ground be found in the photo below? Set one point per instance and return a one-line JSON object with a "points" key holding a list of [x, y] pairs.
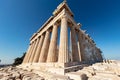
{"points": [[14, 73], [108, 70]]}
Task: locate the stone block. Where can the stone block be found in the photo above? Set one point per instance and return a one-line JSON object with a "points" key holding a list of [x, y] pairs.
{"points": [[77, 76]]}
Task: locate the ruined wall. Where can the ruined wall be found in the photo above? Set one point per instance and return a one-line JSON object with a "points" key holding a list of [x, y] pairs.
{"points": [[89, 51]]}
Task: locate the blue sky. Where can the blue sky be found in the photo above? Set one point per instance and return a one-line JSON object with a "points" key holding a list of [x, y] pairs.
{"points": [[19, 19]]}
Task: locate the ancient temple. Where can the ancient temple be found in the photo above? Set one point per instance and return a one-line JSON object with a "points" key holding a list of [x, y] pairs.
{"points": [[52, 49]]}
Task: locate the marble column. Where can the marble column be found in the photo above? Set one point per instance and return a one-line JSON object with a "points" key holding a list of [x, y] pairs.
{"points": [[63, 48], [79, 51], [32, 52], [28, 59], [37, 54], [26, 55], [45, 47], [75, 54], [80, 46], [52, 55]]}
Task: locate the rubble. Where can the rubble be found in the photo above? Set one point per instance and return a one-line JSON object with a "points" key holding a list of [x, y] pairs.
{"points": [[98, 71]]}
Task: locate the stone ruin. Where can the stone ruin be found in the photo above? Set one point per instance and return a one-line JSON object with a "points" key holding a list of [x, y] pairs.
{"points": [[60, 46]]}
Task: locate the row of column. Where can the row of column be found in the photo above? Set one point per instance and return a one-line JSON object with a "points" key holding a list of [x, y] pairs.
{"points": [[40, 48], [45, 50]]}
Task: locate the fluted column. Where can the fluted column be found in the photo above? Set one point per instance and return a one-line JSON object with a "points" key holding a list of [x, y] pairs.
{"points": [[75, 54], [52, 55], [37, 54], [29, 56], [26, 55], [79, 51], [63, 48], [32, 53], [45, 47], [81, 47]]}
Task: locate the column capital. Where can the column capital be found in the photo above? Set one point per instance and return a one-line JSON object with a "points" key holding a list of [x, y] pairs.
{"points": [[71, 24], [47, 31], [72, 27], [55, 24], [31, 42], [64, 16]]}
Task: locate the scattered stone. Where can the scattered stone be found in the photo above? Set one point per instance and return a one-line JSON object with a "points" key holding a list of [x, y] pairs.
{"points": [[14, 73], [97, 71], [77, 76]]}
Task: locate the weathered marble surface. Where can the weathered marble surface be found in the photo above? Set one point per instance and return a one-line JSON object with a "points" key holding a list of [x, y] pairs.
{"points": [[107, 70]]}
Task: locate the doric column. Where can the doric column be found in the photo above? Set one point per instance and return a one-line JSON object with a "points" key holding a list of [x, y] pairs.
{"points": [[29, 56], [75, 54], [80, 46], [52, 55], [34, 50], [32, 53], [26, 55], [79, 51], [45, 47], [37, 54], [63, 48]]}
